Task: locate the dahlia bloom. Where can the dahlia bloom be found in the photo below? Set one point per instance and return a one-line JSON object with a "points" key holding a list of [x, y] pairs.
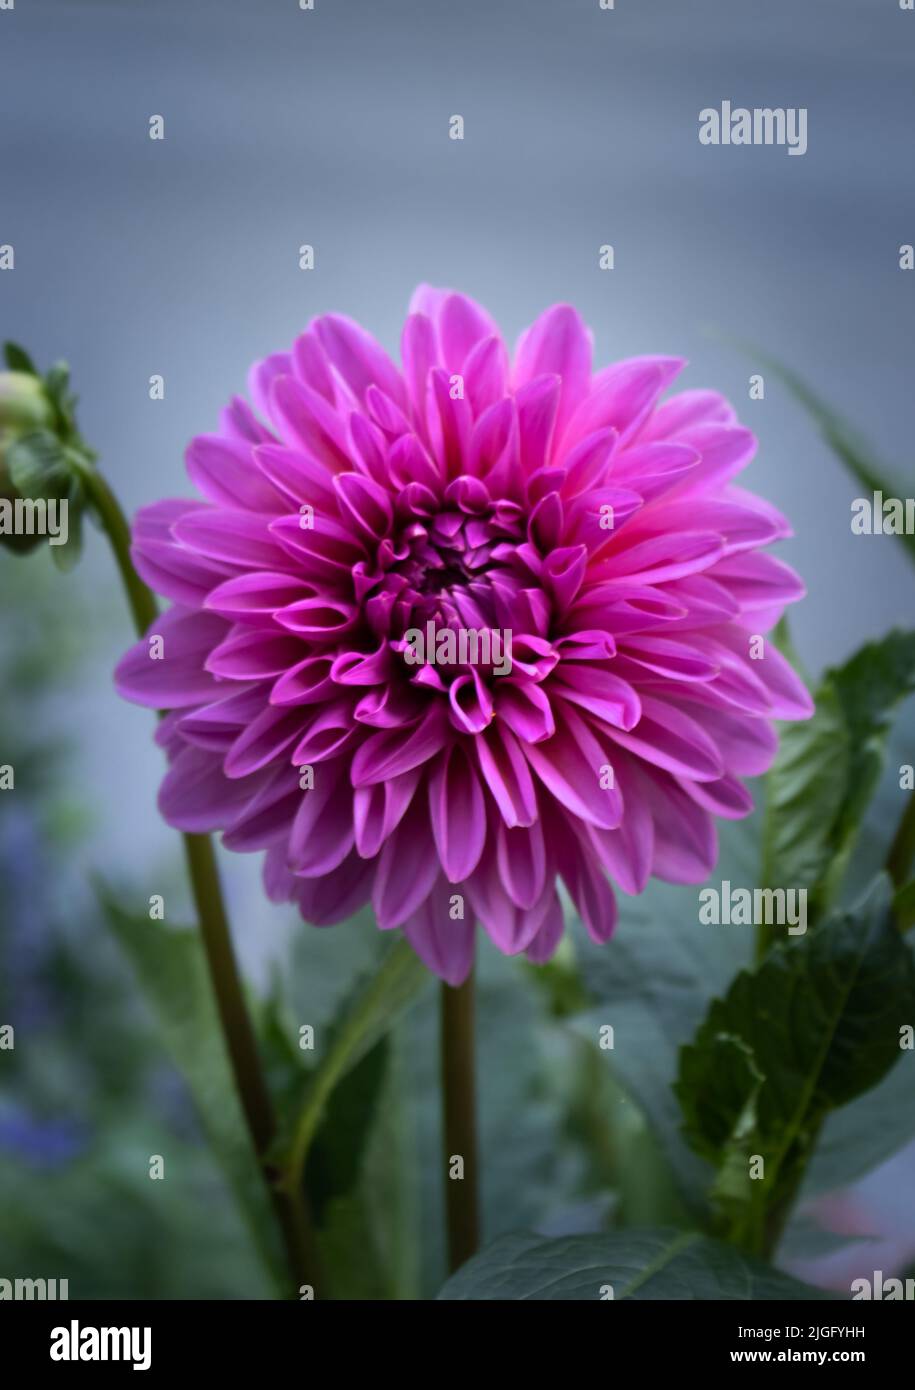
{"points": [[595, 528]]}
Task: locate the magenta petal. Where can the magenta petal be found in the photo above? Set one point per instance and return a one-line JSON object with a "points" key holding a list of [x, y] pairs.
{"points": [[521, 856], [407, 868], [627, 853], [458, 814], [668, 738], [165, 669], [485, 374], [557, 344], [537, 403], [686, 409], [248, 654], [379, 809], [621, 397], [197, 797], [512, 928], [442, 935], [236, 537], [758, 581], [685, 839], [322, 832], [265, 739], [549, 933], [255, 598], [358, 358], [264, 820], [393, 751], [588, 888], [462, 324], [571, 766], [222, 469], [335, 896], [507, 776]]}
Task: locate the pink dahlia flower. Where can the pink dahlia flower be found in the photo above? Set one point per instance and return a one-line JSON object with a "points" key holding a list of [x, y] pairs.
{"points": [[563, 512]]}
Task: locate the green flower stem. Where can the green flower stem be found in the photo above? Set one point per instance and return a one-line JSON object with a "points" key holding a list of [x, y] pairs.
{"points": [[902, 852], [459, 1120], [143, 607], [290, 1208]]}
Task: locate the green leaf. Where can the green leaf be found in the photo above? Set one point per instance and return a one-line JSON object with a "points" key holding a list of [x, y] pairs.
{"points": [[828, 768], [335, 1157], [68, 555], [805, 785], [820, 1022], [18, 360], [362, 1185], [637, 1264], [653, 985], [341, 1209], [858, 1138], [842, 438], [364, 1021], [171, 970], [904, 905], [57, 386], [37, 465]]}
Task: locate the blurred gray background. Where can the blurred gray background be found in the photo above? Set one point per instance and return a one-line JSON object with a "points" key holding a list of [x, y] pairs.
{"points": [[330, 127]]}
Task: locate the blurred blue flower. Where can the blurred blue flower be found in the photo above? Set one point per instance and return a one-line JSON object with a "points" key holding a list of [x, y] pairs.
{"points": [[42, 1143]]}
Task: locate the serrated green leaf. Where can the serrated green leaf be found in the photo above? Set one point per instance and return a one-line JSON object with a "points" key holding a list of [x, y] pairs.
{"points": [[828, 768], [807, 782], [820, 1019], [638, 1264]]}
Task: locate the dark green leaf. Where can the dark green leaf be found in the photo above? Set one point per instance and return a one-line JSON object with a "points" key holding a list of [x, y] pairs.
{"points": [[57, 385], [38, 465], [369, 1014], [820, 1021], [653, 986], [806, 785], [828, 768], [336, 1156], [636, 1264], [67, 556], [18, 360], [904, 905]]}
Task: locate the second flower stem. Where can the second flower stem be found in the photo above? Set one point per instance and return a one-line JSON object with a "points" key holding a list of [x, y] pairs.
{"points": [[459, 1121]]}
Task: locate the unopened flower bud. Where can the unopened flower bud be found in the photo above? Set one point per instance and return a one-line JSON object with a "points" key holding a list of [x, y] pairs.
{"points": [[24, 409]]}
